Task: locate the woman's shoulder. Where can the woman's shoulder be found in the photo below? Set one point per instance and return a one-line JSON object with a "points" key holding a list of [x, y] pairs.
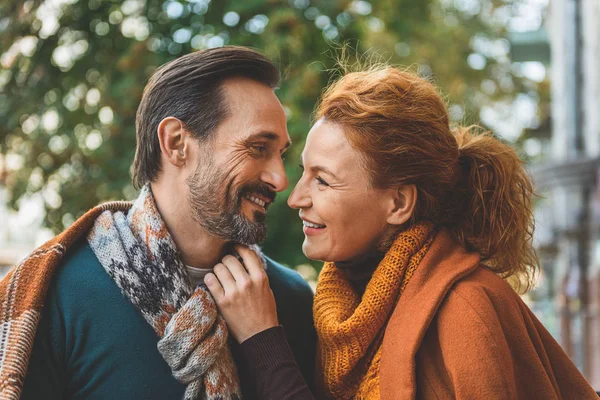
{"points": [[484, 297], [486, 314], [489, 339], [483, 288]]}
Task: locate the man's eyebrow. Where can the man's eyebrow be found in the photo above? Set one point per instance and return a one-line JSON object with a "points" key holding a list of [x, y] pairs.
{"points": [[269, 136]]}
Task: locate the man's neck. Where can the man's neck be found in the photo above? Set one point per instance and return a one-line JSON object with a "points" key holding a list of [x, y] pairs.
{"points": [[198, 249]]}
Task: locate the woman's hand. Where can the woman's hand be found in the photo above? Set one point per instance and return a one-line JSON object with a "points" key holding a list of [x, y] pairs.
{"points": [[243, 295]]}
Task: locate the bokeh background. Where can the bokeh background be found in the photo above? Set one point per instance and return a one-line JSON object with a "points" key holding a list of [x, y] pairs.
{"points": [[72, 73]]}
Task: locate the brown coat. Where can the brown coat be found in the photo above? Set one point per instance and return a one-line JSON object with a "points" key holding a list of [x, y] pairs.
{"points": [[459, 331]]}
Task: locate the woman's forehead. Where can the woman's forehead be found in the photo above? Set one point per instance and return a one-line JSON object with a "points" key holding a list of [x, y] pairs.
{"points": [[328, 146]]}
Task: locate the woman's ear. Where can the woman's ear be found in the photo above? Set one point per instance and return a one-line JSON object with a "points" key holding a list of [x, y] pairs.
{"points": [[171, 136], [404, 202]]}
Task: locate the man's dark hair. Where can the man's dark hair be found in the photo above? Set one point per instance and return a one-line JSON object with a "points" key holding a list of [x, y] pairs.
{"points": [[189, 88]]}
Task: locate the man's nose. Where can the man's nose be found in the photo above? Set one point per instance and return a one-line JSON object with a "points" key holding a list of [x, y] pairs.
{"points": [[275, 176]]}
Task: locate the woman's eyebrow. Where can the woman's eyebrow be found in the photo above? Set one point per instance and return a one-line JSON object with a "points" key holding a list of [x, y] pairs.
{"points": [[321, 168]]}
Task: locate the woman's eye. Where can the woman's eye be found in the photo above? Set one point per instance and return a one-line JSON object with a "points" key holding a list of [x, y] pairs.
{"points": [[321, 181]]}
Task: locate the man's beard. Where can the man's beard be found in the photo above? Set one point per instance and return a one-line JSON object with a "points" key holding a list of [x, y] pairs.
{"points": [[218, 208]]}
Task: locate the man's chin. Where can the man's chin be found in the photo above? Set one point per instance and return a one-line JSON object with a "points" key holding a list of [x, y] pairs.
{"points": [[254, 216], [251, 210], [249, 240], [248, 229]]}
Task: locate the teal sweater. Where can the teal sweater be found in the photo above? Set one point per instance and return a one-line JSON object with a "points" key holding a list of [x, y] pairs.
{"points": [[92, 343]]}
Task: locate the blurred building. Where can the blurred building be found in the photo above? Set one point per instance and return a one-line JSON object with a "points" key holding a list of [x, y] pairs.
{"points": [[567, 178]]}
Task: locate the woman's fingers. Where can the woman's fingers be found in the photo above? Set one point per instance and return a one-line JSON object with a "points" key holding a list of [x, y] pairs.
{"points": [[251, 261], [243, 295], [225, 278], [214, 286], [237, 270], [234, 277]]}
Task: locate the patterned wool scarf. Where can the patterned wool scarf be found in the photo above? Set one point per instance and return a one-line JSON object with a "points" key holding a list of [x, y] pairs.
{"points": [[139, 254], [350, 328]]}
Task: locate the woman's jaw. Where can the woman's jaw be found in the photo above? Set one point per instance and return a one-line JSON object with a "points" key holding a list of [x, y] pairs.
{"points": [[324, 243]]}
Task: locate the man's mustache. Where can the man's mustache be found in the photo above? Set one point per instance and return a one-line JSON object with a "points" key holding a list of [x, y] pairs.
{"points": [[260, 189]]}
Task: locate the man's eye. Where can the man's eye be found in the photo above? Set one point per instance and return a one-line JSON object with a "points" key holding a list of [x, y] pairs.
{"points": [[321, 181], [259, 149]]}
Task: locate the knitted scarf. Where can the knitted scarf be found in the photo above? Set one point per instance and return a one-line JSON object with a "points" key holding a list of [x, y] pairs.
{"points": [[137, 251], [350, 328]]}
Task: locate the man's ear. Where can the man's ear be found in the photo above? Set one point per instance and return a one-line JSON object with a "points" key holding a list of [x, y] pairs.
{"points": [[404, 202], [172, 138]]}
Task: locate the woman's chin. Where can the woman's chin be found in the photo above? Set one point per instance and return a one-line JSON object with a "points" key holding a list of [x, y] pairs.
{"points": [[313, 253], [314, 257]]}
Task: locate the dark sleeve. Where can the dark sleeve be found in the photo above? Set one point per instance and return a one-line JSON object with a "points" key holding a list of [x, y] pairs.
{"points": [[273, 368], [294, 299], [45, 373]]}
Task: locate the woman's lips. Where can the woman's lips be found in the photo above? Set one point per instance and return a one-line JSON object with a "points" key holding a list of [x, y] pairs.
{"points": [[310, 228], [312, 231]]}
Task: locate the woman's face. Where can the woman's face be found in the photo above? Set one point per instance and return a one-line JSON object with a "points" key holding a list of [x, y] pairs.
{"points": [[343, 216]]}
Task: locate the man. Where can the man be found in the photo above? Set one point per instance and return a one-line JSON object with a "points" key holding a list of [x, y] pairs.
{"points": [[125, 314]]}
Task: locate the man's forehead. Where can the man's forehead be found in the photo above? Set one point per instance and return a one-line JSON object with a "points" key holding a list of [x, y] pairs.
{"points": [[253, 101], [243, 92], [253, 113]]}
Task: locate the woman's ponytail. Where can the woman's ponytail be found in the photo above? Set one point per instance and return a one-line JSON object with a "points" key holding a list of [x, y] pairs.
{"points": [[496, 192]]}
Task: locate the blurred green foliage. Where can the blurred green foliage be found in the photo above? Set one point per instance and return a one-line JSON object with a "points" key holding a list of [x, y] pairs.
{"points": [[72, 73]]}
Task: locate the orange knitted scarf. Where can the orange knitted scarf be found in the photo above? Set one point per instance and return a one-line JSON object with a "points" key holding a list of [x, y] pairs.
{"points": [[350, 328]]}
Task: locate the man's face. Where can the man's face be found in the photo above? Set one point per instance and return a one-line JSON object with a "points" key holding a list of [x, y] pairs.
{"points": [[240, 168]]}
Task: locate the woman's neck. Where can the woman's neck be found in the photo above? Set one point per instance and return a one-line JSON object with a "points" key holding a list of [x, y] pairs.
{"points": [[359, 270]]}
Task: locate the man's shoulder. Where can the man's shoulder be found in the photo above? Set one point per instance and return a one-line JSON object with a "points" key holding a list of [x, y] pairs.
{"points": [[81, 284], [80, 267], [284, 278]]}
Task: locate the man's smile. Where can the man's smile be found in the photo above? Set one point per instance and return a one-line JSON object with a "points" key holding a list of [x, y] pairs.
{"points": [[258, 200]]}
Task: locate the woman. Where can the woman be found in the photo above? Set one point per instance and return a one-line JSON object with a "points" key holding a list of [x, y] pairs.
{"points": [[420, 226]]}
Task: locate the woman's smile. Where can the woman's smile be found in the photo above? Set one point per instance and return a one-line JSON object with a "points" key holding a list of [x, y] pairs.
{"points": [[311, 228]]}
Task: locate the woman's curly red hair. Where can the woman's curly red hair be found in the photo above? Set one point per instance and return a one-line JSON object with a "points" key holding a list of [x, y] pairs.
{"points": [[467, 180]]}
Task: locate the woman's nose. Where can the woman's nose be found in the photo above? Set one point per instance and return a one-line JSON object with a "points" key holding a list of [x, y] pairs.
{"points": [[300, 198]]}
